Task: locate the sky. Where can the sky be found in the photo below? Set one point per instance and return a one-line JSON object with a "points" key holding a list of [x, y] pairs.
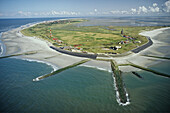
{"points": [[77, 8]]}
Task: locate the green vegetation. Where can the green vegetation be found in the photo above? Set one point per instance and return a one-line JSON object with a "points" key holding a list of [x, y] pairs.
{"points": [[146, 69], [27, 53], [119, 82], [62, 69], [95, 39]]}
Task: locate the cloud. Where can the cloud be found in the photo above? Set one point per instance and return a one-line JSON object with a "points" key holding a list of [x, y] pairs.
{"points": [[167, 6], [146, 10], [133, 11], [142, 9], [63, 13], [118, 12], [155, 4], [21, 13], [115, 12], [124, 12], [154, 9], [50, 13]]}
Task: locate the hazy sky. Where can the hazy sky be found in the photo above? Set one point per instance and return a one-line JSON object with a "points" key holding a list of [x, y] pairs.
{"points": [[56, 8]]}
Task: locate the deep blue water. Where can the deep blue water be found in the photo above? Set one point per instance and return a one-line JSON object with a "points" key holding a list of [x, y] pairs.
{"points": [[7, 24], [80, 89]]}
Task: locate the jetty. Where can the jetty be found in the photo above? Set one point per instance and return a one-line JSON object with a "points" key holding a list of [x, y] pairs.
{"points": [[146, 69], [121, 91], [26, 53], [61, 70]]}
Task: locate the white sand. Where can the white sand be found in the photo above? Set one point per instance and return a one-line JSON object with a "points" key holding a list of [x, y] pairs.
{"points": [[16, 43]]}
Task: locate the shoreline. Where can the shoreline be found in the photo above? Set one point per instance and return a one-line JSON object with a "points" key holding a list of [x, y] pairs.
{"points": [[20, 43], [42, 46], [138, 58], [17, 43]]}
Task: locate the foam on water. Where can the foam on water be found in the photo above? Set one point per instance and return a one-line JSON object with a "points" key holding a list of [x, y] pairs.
{"points": [[117, 93], [33, 60], [2, 46], [99, 68]]}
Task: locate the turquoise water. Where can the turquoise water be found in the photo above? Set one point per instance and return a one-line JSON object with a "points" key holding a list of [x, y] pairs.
{"points": [[77, 89], [81, 89], [151, 93]]}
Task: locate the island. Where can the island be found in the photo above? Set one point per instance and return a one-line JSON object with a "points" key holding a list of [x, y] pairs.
{"points": [[67, 35], [102, 43]]}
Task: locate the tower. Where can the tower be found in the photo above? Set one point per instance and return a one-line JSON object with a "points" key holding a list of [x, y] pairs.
{"points": [[50, 33], [122, 31]]}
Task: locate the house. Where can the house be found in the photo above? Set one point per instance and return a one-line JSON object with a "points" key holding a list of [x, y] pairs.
{"points": [[77, 45], [114, 48], [118, 47], [65, 48], [60, 41], [126, 41], [121, 42], [55, 39], [79, 51], [138, 41]]}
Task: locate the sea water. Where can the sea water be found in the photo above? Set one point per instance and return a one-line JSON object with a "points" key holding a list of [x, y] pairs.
{"points": [[79, 89]]}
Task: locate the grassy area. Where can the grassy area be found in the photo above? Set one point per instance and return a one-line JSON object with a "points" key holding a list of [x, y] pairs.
{"points": [[95, 39]]}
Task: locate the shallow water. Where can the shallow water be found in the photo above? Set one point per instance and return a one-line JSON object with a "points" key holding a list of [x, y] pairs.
{"points": [[73, 90], [81, 89], [127, 21], [150, 94]]}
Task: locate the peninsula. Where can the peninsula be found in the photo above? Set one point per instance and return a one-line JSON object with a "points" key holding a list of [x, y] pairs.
{"points": [[101, 40]]}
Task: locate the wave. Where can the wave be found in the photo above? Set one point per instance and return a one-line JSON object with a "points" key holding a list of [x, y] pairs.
{"points": [[2, 46], [32, 60], [39, 61], [1, 49], [103, 69]]}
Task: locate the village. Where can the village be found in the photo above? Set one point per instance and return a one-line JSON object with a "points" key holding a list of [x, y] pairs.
{"points": [[66, 35]]}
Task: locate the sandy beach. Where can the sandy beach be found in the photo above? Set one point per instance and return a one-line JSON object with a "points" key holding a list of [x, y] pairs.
{"points": [[17, 43]]}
